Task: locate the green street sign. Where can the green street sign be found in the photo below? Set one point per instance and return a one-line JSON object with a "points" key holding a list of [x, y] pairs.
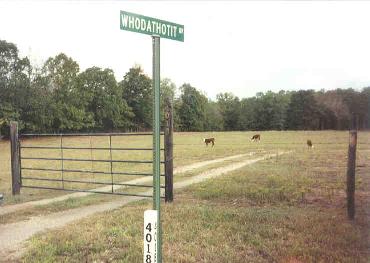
{"points": [[151, 26]]}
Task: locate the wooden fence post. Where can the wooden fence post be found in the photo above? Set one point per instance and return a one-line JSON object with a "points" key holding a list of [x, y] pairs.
{"points": [[351, 169], [15, 161], [168, 151]]}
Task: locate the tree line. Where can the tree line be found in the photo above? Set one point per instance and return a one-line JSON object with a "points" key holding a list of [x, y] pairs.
{"points": [[58, 97]]}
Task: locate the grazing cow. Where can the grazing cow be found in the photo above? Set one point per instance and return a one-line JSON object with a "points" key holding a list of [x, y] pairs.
{"points": [[256, 137], [309, 144], [209, 140]]}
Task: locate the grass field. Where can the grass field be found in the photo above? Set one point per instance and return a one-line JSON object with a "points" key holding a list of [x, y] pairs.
{"points": [[286, 209], [188, 149]]}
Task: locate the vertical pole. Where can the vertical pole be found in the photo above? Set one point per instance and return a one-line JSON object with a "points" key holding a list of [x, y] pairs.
{"points": [[168, 138], [62, 158], [111, 163], [156, 142], [15, 162], [351, 169], [91, 157], [20, 162]]}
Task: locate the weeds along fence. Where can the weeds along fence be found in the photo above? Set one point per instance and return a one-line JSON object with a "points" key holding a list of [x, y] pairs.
{"points": [[102, 163]]}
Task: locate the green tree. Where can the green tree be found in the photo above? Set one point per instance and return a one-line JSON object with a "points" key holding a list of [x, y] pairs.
{"points": [[7, 113], [14, 85], [101, 96], [281, 103], [213, 117], [38, 114], [168, 89], [60, 76], [191, 109], [302, 113], [176, 116], [365, 108], [137, 92], [357, 103], [248, 118], [229, 106], [265, 111], [330, 108]]}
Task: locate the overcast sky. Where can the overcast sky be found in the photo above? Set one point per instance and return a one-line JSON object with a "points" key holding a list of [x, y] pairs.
{"points": [[241, 47]]}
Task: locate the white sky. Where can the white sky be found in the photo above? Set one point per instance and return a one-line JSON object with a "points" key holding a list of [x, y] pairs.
{"points": [[241, 47]]}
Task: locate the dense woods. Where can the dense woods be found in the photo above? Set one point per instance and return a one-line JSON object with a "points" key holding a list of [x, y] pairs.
{"points": [[58, 97]]}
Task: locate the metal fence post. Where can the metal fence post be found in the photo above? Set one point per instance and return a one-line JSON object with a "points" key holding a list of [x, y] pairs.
{"points": [[15, 160], [351, 169], [168, 149]]}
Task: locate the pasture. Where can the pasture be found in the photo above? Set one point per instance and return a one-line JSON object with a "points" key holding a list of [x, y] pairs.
{"points": [[188, 148], [289, 208]]}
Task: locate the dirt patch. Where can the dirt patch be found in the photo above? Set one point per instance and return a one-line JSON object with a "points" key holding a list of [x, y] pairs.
{"points": [[194, 166]]}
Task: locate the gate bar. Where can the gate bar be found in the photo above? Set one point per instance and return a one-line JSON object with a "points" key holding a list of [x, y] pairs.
{"points": [[86, 160], [87, 191], [86, 182], [87, 148], [84, 171], [85, 134]]}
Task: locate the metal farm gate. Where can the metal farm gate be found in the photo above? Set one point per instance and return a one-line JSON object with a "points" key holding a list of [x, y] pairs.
{"points": [[50, 166]]}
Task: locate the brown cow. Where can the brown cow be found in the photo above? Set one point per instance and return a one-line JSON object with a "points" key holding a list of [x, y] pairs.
{"points": [[209, 140], [309, 144], [256, 137]]}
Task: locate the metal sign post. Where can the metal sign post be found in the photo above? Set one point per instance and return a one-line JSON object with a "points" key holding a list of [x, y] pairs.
{"points": [[157, 29], [156, 142]]}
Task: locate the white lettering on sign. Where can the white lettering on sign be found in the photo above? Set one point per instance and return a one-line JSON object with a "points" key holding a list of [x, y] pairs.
{"points": [[149, 27], [131, 22], [175, 30], [150, 236], [168, 29], [163, 29], [143, 24], [158, 28], [137, 23], [154, 25]]}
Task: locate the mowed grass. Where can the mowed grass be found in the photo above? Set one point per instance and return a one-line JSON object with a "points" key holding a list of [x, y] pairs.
{"points": [[286, 209]]}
